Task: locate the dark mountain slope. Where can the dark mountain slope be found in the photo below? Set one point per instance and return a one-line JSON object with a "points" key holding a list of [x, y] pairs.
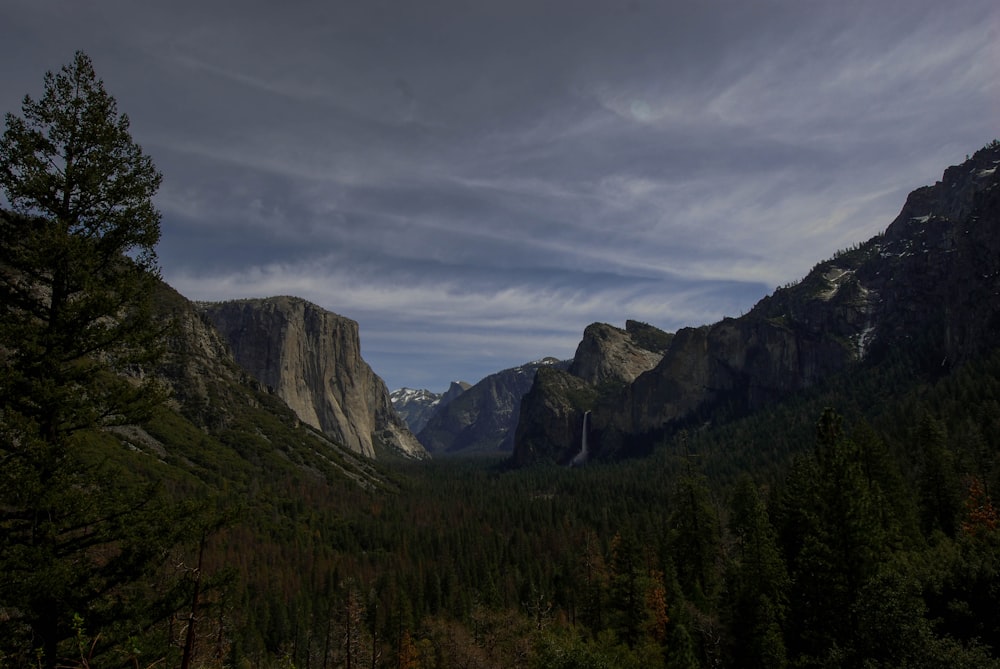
{"points": [[605, 362], [482, 419], [222, 424], [930, 285]]}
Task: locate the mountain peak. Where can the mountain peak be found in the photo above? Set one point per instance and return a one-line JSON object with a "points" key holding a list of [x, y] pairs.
{"points": [[929, 285]]}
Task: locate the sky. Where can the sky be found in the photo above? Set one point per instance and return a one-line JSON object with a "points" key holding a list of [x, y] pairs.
{"points": [[474, 182]]}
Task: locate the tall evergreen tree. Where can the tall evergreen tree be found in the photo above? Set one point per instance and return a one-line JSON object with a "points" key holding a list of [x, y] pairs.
{"points": [[628, 595], [77, 274], [694, 539], [841, 548], [896, 508], [757, 582], [940, 496]]}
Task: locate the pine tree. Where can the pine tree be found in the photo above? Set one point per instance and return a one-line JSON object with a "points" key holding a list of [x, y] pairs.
{"points": [[628, 595], [940, 500], [77, 275], [593, 582], [757, 582], [681, 649], [842, 543], [694, 540]]}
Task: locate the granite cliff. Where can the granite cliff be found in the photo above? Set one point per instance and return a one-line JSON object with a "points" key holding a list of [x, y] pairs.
{"points": [[929, 285], [220, 423], [311, 359], [606, 361], [607, 354], [551, 418]]}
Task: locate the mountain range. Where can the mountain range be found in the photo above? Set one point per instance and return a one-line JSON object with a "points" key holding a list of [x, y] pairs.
{"points": [[928, 284], [927, 287], [417, 406]]}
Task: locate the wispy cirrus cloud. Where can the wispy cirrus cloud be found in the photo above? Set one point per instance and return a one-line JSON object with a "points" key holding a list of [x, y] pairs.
{"points": [[475, 183]]}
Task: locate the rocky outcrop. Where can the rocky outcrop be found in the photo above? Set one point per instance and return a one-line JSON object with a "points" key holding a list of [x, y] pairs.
{"points": [[610, 354], [311, 358], [218, 413], [929, 286], [751, 361], [804, 334], [454, 390], [607, 360], [482, 419], [197, 359], [552, 413], [937, 271]]}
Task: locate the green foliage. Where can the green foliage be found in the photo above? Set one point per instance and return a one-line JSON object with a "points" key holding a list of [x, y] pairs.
{"points": [[627, 588], [839, 547], [77, 270], [757, 582], [939, 486], [463, 563], [648, 337], [693, 540], [568, 651], [77, 260]]}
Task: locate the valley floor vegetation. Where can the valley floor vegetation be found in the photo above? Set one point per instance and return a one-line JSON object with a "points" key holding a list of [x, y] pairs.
{"points": [[795, 538]]}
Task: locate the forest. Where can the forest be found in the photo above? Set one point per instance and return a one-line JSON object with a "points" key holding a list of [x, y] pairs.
{"points": [[850, 525], [806, 536]]}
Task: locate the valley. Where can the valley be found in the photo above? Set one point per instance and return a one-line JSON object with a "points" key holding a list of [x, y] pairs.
{"points": [[230, 484], [830, 494]]}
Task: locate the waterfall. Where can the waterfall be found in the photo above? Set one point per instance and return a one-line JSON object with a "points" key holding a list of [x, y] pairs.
{"points": [[581, 457]]}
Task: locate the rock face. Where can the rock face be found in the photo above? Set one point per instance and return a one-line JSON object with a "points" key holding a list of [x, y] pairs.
{"points": [[607, 360], [610, 354], [197, 356], [937, 267], [311, 358], [482, 419], [205, 383], [216, 398], [929, 284], [417, 406], [550, 429]]}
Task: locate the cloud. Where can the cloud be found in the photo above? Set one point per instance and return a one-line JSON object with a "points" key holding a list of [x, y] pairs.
{"points": [[476, 182], [461, 314]]}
